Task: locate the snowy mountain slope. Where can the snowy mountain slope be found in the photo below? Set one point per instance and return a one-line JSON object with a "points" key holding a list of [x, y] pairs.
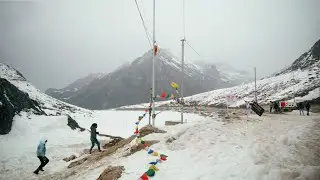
{"points": [[298, 80], [227, 72], [274, 88], [48, 104], [130, 84], [72, 89], [307, 60]]}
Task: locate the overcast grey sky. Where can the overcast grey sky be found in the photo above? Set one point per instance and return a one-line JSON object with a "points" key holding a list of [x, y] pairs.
{"points": [[55, 42]]}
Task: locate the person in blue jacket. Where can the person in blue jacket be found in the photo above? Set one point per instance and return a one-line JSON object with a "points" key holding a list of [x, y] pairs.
{"points": [[41, 154]]}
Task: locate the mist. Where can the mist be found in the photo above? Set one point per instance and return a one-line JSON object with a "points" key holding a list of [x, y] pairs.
{"points": [[56, 42]]}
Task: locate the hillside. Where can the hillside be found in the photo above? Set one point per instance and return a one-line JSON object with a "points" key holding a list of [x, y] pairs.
{"points": [[301, 80], [17, 95], [130, 84]]}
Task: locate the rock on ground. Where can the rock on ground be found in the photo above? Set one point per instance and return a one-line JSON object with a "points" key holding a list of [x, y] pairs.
{"points": [[111, 173]]}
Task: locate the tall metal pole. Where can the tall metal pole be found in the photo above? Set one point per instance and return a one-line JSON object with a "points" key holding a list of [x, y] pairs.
{"points": [[182, 61], [153, 63], [182, 79], [255, 84], [150, 107], [294, 96]]}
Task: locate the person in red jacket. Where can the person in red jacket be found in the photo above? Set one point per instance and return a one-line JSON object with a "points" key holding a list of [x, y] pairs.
{"points": [[283, 104]]}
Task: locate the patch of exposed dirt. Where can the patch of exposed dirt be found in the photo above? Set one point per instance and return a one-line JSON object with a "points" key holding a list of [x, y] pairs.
{"points": [[139, 147], [111, 173]]}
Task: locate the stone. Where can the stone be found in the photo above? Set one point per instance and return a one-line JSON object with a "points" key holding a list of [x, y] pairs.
{"points": [[111, 173], [72, 157]]}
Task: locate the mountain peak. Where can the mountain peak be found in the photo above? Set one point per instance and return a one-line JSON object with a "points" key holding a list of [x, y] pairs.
{"points": [[9, 73], [130, 84], [307, 60]]}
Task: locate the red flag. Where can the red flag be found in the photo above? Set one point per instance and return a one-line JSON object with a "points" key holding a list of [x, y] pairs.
{"points": [[155, 49], [144, 177], [163, 95]]}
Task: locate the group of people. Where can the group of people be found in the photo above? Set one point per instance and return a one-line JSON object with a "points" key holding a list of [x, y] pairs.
{"points": [[279, 107], [304, 106], [41, 149], [275, 105]]}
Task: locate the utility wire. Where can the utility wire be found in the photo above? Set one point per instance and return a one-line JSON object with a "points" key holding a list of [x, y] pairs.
{"points": [[144, 25], [194, 50]]}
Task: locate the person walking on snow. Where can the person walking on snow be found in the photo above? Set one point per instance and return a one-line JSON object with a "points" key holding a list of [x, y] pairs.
{"points": [[247, 104], [308, 108], [300, 106], [271, 105], [41, 153], [93, 137]]}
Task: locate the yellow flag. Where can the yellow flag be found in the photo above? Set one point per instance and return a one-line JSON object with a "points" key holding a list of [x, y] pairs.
{"points": [[154, 168], [155, 154], [174, 85]]}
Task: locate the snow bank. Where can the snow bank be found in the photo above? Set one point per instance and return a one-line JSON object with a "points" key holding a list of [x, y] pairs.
{"points": [[18, 148]]}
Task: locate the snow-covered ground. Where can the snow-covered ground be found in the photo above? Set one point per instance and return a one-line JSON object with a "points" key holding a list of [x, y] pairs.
{"points": [[279, 87], [18, 148], [269, 147]]}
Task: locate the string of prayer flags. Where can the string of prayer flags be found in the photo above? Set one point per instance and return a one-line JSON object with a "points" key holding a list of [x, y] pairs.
{"points": [[152, 169]]}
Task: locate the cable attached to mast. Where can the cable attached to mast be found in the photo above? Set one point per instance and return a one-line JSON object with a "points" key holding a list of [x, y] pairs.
{"points": [[144, 25]]}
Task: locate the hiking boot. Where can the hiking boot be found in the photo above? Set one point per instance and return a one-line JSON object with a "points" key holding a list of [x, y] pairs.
{"points": [[41, 169], [36, 172]]}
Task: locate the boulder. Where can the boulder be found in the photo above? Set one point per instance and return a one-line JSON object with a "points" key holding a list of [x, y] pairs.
{"points": [[111, 173], [76, 163], [70, 158], [171, 139], [74, 125], [13, 101], [148, 129]]}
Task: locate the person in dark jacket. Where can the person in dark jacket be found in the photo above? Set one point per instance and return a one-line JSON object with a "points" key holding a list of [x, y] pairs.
{"points": [[93, 137], [308, 108], [271, 105], [276, 106], [301, 108], [41, 153]]}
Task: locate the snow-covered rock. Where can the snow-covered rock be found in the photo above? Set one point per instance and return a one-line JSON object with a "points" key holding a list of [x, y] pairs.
{"points": [[47, 104]]}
